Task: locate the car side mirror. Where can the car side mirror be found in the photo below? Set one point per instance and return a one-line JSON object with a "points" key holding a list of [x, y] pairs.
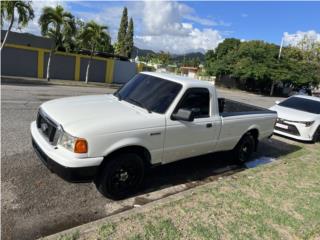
{"points": [[183, 115], [277, 102]]}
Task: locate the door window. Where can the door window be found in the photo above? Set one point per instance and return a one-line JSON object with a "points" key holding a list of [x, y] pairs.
{"points": [[196, 100]]}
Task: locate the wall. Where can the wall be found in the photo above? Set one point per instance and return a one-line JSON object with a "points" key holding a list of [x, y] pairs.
{"points": [[27, 55], [19, 62], [123, 71]]}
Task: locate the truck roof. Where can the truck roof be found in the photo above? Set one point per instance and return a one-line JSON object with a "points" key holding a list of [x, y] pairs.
{"points": [[186, 81]]}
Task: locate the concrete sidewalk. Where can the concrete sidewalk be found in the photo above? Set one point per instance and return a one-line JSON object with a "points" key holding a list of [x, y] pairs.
{"points": [[38, 81]]}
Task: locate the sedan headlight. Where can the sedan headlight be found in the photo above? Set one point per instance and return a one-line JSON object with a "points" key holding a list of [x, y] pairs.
{"points": [[74, 144], [308, 124]]}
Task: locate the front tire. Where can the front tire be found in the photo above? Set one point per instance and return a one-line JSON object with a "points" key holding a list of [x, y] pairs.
{"points": [[121, 176], [316, 135], [244, 149]]}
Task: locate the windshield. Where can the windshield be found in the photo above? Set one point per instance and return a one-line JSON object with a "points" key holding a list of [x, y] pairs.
{"points": [[302, 104], [152, 93]]}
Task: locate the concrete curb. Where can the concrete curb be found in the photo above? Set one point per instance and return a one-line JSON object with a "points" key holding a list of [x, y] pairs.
{"points": [[38, 81]]}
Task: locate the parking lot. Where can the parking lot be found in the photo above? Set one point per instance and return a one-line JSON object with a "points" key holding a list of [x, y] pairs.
{"points": [[37, 203]]}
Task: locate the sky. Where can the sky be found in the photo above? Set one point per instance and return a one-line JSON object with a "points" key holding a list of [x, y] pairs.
{"points": [[189, 26]]}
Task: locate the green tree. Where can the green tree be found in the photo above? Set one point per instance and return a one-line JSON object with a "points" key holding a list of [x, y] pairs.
{"points": [[221, 61], [8, 10], [60, 26], [261, 62], [79, 24], [255, 64], [228, 45], [122, 33], [129, 39], [164, 58], [93, 35]]}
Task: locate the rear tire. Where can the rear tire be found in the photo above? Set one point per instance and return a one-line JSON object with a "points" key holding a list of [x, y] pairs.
{"points": [[244, 149], [121, 176]]}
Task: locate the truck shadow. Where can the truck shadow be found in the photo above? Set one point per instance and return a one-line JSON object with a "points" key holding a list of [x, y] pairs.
{"points": [[199, 170]]}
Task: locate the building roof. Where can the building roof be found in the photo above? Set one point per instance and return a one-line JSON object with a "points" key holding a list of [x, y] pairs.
{"points": [[190, 68], [185, 81]]}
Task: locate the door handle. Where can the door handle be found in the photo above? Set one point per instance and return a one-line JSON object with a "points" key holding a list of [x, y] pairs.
{"points": [[209, 125]]}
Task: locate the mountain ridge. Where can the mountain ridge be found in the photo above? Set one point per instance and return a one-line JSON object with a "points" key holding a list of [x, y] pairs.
{"points": [[144, 52]]}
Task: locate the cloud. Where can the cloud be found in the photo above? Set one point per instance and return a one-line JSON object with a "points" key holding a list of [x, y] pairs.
{"points": [[196, 40], [244, 15], [163, 18], [159, 25], [164, 29], [108, 16], [295, 38]]}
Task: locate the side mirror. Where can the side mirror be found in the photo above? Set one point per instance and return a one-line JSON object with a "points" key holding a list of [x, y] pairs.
{"points": [[277, 102], [183, 115]]}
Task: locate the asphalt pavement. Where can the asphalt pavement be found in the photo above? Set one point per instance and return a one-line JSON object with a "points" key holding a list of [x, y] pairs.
{"points": [[35, 202]]}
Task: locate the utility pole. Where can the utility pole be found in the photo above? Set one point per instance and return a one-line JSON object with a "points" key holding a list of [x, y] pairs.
{"points": [[279, 55]]}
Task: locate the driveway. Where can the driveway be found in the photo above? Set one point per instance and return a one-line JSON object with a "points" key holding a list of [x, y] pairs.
{"points": [[37, 203]]}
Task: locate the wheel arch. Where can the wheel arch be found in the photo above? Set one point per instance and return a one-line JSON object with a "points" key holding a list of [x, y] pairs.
{"points": [[141, 151], [316, 134], [254, 132]]}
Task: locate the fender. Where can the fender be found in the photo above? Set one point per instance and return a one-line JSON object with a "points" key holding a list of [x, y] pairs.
{"points": [[156, 155]]}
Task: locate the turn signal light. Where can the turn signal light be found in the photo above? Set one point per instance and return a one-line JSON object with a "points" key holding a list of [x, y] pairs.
{"points": [[81, 146]]}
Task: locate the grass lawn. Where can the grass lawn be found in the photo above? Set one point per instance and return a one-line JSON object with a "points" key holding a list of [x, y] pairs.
{"points": [[280, 200]]}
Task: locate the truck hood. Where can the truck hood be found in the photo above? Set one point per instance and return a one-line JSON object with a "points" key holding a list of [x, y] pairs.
{"points": [[103, 113], [293, 114]]}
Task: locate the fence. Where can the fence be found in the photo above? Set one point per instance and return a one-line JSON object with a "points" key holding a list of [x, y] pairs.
{"points": [[27, 55]]}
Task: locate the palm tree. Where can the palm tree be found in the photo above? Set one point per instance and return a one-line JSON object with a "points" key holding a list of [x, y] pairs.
{"points": [[58, 25], [92, 36], [10, 8]]}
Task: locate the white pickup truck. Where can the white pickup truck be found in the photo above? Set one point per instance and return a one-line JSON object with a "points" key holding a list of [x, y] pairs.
{"points": [[154, 119]]}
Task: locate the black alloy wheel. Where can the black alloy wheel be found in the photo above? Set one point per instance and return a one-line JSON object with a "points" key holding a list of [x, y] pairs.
{"points": [[244, 148], [121, 176]]}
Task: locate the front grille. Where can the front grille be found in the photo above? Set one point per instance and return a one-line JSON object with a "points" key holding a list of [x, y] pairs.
{"points": [[47, 127], [292, 129]]}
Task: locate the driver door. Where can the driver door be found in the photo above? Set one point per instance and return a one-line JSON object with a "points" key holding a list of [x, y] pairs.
{"points": [[187, 139]]}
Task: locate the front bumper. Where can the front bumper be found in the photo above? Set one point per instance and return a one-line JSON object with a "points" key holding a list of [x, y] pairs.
{"points": [[301, 137], [83, 174], [63, 163]]}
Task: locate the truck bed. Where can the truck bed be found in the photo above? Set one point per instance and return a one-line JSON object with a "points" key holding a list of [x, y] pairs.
{"points": [[229, 108]]}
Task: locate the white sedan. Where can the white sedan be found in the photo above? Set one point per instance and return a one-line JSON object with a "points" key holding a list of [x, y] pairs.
{"points": [[298, 118]]}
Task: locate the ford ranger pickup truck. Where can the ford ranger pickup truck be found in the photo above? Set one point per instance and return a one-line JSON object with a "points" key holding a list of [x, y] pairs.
{"points": [[154, 119]]}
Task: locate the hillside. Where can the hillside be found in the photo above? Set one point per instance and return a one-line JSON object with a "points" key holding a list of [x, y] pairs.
{"points": [[175, 57]]}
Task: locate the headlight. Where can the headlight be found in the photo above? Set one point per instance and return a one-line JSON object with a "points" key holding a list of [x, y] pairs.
{"points": [[74, 144], [308, 124]]}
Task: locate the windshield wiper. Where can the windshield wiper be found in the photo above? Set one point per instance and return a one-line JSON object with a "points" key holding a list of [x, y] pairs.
{"points": [[140, 104]]}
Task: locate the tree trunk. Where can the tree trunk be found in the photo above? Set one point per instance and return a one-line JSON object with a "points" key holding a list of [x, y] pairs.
{"points": [[7, 33], [88, 66], [272, 88], [49, 64]]}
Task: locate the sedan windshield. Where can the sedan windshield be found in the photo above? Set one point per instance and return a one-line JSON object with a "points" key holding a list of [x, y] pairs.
{"points": [[152, 93], [302, 104]]}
